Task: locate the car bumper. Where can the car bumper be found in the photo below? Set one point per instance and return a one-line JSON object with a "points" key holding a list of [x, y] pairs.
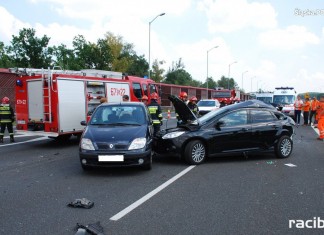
{"points": [[134, 158], [168, 147]]}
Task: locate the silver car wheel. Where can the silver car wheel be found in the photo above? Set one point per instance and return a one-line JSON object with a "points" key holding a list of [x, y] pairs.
{"points": [[198, 153], [285, 147]]}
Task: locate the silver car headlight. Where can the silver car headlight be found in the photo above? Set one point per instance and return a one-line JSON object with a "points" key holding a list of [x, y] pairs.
{"points": [[173, 135], [137, 143], [86, 144]]}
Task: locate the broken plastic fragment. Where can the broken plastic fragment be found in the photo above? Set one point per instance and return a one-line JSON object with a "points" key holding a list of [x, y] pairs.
{"points": [[95, 229], [83, 202]]}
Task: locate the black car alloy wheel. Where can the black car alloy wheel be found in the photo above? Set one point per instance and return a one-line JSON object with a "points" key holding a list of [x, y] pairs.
{"points": [[284, 147], [195, 152]]}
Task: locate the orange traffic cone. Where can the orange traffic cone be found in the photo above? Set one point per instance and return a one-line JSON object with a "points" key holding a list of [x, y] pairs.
{"points": [[169, 114]]}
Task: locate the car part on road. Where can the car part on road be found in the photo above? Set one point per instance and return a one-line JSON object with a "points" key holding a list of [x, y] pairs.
{"points": [[83, 203], [95, 229]]}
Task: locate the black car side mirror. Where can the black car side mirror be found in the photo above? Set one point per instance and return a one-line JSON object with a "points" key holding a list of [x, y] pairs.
{"points": [[219, 124], [83, 123]]}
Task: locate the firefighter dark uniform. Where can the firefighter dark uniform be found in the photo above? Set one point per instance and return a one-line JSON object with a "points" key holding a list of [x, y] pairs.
{"points": [[156, 113], [193, 105], [6, 119], [184, 97]]}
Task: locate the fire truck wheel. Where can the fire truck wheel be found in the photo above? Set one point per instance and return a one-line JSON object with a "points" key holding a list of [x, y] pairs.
{"points": [[195, 152], [63, 138]]}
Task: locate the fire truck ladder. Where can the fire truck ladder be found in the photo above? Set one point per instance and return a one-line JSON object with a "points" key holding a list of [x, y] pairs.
{"points": [[46, 85]]}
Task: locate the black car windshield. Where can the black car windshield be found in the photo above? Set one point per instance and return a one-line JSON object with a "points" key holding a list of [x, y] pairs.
{"points": [[119, 115], [206, 103]]}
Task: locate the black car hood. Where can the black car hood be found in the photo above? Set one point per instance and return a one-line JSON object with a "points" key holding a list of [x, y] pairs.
{"points": [[182, 109], [105, 133]]}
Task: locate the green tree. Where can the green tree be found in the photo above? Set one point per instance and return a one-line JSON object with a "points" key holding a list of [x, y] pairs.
{"points": [[157, 71], [27, 50], [211, 83], [226, 82], [5, 60], [64, 58], [178, 75], [138, 66]]}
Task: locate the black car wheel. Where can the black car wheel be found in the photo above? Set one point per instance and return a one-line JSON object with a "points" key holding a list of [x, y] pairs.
{"points": [[284, 147], [195, 152]]}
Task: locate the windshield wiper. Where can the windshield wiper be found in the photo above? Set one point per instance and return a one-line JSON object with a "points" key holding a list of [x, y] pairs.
{"points": [[125, 124]]}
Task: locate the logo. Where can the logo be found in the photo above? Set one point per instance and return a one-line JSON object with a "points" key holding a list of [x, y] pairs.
{"points": [[316, 222], [111, 146]]}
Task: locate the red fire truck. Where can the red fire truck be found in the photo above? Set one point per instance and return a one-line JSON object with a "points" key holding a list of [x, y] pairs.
{"points": [[54, 102], [226, 96]]}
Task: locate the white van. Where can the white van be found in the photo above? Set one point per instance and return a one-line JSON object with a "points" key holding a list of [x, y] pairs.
{"points": [[284, 99]]}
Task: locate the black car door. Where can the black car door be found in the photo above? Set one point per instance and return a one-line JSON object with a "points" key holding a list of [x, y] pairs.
{"points": [[265, 126], [231, 132]]}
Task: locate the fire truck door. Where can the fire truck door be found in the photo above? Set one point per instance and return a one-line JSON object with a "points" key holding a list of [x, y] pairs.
{"points": [[71, 105], [116, 90], [35, 100]]}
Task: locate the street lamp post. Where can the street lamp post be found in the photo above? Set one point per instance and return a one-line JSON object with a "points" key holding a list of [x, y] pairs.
{"points": [[162, 14], [242, 78], [229, 73], [207, 66]]}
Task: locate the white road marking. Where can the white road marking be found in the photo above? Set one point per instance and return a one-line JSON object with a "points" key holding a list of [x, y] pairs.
{"points": [[290, 165], [27, 141], [150, 194]]}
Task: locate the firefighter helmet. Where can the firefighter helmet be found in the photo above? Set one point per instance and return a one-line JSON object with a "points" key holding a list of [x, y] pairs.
{"points": [[194, 98], [145, 97], [154, 96], [5, 100], [183, 95]]}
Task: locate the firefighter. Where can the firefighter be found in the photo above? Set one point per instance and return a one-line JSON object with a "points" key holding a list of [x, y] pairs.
{"points": [[193, 105], [6, 119], [155, 112], [145, 99], [184, 97], [320, 118]]}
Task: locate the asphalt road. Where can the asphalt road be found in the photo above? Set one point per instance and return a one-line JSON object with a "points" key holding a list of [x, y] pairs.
{"points": [[230, 194]]}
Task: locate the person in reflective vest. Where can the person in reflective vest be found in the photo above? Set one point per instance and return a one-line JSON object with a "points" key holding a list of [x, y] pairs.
{"points": [[193, 105], [320, 109], [313, 107], [156, 113], [6, 119], [306, 107]]}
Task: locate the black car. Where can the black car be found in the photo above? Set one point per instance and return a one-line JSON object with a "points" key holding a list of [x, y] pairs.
{"points": [[117, 135], [243, 127]]}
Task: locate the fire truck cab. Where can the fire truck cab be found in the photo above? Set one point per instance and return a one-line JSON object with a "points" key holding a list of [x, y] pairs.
{"points": [[226, 96], [54, 102]]}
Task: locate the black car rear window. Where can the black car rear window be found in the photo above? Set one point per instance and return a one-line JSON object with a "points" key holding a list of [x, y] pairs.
{"points": [[259, 116]]}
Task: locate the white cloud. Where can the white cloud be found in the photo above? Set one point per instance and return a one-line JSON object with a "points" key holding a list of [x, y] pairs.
{"points": [[290, 38], [314, 81], [9, 25], [232, 15]]}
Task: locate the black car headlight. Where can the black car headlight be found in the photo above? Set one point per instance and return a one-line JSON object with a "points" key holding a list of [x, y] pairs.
{"points": [[86, 144], [173, 135], [137, 143]]}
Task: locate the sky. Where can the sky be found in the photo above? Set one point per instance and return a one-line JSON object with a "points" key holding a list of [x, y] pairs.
{"points": [[261, 44]]}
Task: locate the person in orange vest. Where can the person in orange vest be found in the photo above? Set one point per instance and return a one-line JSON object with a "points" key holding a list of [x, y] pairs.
{"points": [[298, 104], [306, 107], [320, 117], [314, 104]]}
